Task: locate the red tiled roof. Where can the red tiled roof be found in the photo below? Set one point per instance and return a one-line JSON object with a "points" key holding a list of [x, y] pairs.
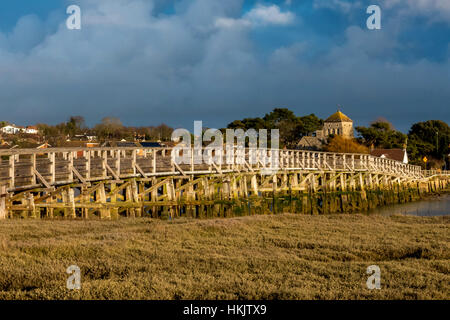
{"points": [[394, 154]]}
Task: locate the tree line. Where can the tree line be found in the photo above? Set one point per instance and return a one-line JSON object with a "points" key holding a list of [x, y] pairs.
{"points": [[110, 128], [291, 127], [429, 139]]}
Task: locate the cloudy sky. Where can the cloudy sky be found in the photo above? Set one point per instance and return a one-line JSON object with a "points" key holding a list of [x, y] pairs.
{"points": [[176, 61]]}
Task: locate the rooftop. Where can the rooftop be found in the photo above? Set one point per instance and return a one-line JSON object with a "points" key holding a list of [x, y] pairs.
{"points": [[394, 154], [338, 117]]}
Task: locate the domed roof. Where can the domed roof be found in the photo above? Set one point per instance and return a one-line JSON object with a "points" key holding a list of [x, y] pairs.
{"points": [[338, 117]]}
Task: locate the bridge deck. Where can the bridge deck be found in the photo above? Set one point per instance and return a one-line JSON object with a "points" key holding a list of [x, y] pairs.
{"points": [[29, 168], [110, 182]]}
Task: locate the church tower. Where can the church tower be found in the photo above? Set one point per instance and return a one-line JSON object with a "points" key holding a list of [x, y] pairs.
{"points": [[338, 124]]}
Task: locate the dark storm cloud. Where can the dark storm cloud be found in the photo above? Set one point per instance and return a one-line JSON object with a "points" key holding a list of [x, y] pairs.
{"points": [[201, 62]]}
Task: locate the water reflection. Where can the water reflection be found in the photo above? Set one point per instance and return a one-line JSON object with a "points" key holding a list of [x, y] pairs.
{"points": [[438, 206]]}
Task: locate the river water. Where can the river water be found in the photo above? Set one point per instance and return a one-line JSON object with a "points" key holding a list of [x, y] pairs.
{"points": [[438, 206]]}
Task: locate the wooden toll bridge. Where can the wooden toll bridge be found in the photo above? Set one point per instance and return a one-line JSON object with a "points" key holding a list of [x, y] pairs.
{"points": [[113, 182]]}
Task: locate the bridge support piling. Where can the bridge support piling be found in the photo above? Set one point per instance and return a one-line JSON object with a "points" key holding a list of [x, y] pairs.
{"points": [[113, 199], [147, 182], [3, 195]]}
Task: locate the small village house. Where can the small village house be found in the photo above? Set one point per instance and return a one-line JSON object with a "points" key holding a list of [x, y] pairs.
{"points": [[31, 130], [393, 154], [13, 129], [10, 129]]}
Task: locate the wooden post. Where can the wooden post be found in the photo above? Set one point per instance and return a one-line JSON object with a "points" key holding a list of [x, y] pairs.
{"points": [[172, 197], [245, 190], [85, 199], [104, 212], [52, 158], [202, 196], [129, 201], [33, 168], [50, 210], [104, 157], [190, 197], [133, 161], [88, 165], [11, 171], [69, 203], [154, 195], [233, 188], [177, 195], [343, 182], [3, 196], [274, 191], [165, 210], [31, 206], [70, 159], [135, 197], [113, 197], [361, 181], [254, 184], [303, 160], [333, 182], [313, 183], [117, 164]]}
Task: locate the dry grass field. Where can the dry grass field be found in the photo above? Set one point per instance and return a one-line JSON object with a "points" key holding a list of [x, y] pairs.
{"points": [[258, 257]]}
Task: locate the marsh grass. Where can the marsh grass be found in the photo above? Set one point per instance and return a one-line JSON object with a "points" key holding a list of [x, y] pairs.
{"points": [[259, 257]]}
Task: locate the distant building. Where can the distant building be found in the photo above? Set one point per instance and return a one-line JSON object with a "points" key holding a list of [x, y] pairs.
{"points": [[124, 143], [148, 144], [10, 129], [31, 130], [84, 137], [120, 144], [336, 124], [172, 144], [310, 143], [79, 144], [393, 154]]}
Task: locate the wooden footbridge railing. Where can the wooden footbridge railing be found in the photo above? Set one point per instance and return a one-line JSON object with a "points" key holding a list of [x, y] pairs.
{"points": [[23, 169], [80, 181]]}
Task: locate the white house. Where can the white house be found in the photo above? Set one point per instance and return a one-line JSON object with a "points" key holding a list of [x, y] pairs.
{"points": [[10, 129], [31, 130]]}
